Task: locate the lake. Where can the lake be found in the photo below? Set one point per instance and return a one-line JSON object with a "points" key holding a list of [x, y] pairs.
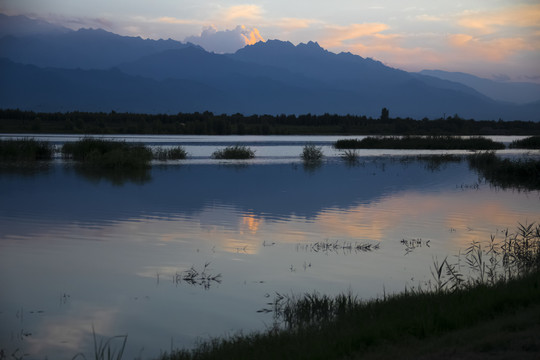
{"points": [[197, 248]]}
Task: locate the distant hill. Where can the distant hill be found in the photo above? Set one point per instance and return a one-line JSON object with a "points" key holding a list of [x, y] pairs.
{"points": [[515, 92], [95, 70]]}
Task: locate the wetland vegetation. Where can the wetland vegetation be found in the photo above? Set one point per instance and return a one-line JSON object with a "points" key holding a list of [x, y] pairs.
{"points": [[488, 281], [239, 152], [421, 142], [531, 142], [25, 150]]}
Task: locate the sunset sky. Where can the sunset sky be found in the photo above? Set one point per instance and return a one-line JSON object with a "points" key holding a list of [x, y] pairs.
{"points": [[490, 38]]}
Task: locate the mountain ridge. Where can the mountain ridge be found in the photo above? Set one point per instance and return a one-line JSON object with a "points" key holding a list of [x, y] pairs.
{"points": [[98, 70]]}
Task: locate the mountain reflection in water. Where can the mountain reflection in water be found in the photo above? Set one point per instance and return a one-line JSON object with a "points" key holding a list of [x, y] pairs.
{"points": [[195, 250]]}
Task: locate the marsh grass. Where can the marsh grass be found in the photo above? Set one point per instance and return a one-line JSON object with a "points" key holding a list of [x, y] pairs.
{"points": [[318, 326], [237, 152], [25, 150], [532, 142], [312, 153], [520, 173], [108, 154], [175, 153], [420, 142], [111, 348]]}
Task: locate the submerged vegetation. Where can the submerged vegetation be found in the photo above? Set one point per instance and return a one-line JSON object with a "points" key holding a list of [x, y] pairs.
{"points": [[420, 142], [25, 150], [488, 281]]}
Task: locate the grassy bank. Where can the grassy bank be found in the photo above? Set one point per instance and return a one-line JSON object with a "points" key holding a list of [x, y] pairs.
{"points": [[420, 142], [504, 281]]}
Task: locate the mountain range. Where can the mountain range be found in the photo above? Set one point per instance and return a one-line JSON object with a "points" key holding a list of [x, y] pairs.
{"points": [[44, 67]]}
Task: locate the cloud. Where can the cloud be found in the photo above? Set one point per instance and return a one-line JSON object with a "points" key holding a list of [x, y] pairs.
{"points": [[226, 41], [244, 12], [487, 22], [337, 35], [492, 50]]}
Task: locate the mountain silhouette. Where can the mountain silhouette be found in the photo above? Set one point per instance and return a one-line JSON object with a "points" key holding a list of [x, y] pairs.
{"points": [[95, 70], [515, 92]]}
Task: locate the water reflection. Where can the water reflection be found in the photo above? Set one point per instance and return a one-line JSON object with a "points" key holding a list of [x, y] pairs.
{"points": [[195, 250], [117, 177]]}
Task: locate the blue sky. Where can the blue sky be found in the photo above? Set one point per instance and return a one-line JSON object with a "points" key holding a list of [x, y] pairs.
{"points": [[489, 38]]}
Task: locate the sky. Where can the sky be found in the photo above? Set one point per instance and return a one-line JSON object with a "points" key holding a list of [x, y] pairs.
{"points": [[497, 39]]}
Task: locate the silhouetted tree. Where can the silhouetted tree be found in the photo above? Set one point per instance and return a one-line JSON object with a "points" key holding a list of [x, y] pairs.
{"points": [[385, 114]]}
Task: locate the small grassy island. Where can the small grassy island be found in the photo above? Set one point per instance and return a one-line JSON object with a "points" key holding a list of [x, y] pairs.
{"points": [[421, 143]]}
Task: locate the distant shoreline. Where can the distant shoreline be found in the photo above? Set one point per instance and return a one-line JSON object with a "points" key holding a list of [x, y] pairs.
{"points": [[207, 123]]}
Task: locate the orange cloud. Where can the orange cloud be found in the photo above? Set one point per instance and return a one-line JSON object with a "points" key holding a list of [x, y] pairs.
{"points": [[491, 50], [252, 37], [517, 16], [247, 11], [338, 35]]}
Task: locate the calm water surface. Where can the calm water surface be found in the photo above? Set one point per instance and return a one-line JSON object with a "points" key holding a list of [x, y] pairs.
{"points": [[82, 250]]}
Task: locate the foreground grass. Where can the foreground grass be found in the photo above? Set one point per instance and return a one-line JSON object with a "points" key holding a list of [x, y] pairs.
{"points": [[25, 150], [505, 281], [368, 327], [420, 142]]}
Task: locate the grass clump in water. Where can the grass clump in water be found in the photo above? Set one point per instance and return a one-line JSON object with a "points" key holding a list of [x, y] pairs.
{"points": [[108, 154], [234, 152], [175, 153], [420, 142], [312, 153], [25, 150], [521, 173], [532, 142]]}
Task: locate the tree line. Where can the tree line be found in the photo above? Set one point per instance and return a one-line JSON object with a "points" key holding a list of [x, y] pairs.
{"points": [[208, 123]]}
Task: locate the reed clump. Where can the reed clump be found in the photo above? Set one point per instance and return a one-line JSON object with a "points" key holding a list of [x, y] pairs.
{"points": [[420, 142], [25, 150], [532, 142], [174, 153], [108, 154], [236, 152], [312, 153], [520, 173]]}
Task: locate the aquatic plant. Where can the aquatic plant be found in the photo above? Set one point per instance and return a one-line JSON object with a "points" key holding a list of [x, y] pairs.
{"points": [[107, 153], [520, 173], [532, 142], [350, 156], [312, 153], [420, 142], [103, 349], [234, 152], [192, 276], [175, 153], [25, 150]]}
